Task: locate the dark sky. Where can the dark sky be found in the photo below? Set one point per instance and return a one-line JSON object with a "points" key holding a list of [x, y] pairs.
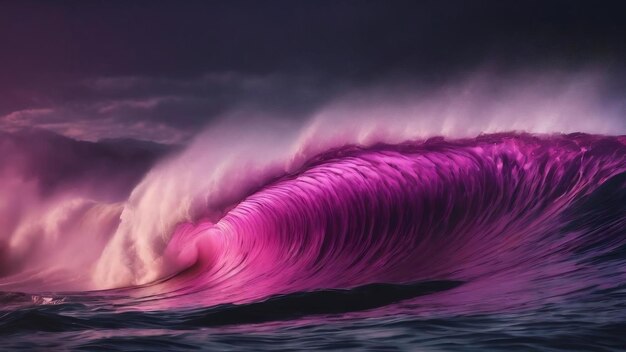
{"points": [[161, 70]]}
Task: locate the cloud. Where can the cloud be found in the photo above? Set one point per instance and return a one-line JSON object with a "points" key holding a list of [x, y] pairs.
{"points": [[164, 70], [168, 110], [23, 118]]}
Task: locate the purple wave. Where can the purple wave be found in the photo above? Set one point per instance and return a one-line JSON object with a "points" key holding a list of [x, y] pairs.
{"points": [[494, 211]]}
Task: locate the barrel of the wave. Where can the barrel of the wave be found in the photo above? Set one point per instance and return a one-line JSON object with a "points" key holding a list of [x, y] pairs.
{"points": [[192, 250]]}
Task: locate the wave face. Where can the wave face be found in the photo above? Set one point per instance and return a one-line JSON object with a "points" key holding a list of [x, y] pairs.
{"points": [[499, 240], [494, 210]]}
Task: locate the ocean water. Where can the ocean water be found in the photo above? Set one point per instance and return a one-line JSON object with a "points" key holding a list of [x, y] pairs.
{"points": [[500, 242]]}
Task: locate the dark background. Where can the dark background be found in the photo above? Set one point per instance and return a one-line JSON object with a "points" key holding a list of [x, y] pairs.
{"points": [[160, 70]]}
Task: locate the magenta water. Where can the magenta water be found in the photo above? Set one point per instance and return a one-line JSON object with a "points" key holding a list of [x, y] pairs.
{"points": [[495, 242]]}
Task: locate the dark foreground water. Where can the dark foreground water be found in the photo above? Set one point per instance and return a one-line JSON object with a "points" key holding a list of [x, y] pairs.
{"points": [[594, 323]]}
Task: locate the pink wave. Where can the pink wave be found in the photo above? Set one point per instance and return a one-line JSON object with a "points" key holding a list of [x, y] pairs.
{"points": [[490, 211]]}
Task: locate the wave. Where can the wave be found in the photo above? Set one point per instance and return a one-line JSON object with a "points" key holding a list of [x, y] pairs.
{"points": [[498, 207], [517, 217]]}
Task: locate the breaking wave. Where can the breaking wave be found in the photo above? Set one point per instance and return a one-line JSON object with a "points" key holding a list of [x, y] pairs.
{"points": [[517, 218]]}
